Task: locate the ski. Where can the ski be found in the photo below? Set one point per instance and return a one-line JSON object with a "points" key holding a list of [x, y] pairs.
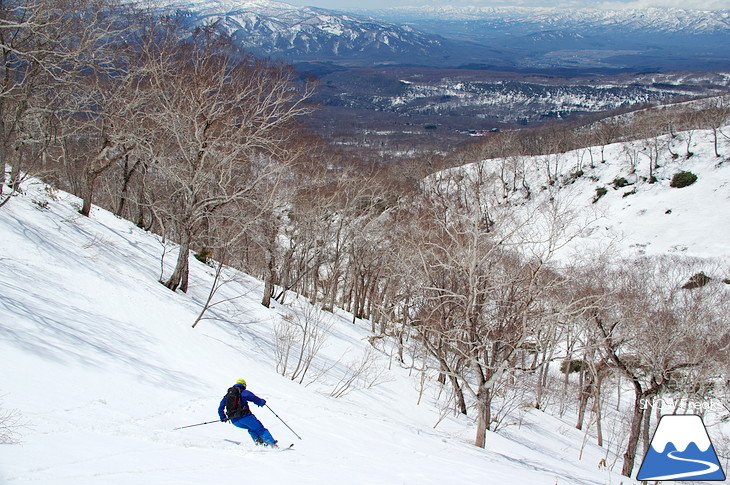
{"points": [[264, 448], [268, 449]]}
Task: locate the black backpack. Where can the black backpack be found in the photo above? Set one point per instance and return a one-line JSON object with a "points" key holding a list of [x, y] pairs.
{"points": [[235, 406]]}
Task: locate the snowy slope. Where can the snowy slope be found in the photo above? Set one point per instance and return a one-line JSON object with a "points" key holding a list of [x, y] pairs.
{"points": [[654, 219], [635, 217], [100, 363]]}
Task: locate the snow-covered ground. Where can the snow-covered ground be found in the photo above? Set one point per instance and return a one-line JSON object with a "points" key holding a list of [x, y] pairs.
{"points": [[633, 217], [655, 219], [100, 363]]}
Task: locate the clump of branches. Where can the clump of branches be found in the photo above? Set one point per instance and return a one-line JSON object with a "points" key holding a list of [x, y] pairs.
{"points": [[361, 373], [11, 422], [299, 338]]}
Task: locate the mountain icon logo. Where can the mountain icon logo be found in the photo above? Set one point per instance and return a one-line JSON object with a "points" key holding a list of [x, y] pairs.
{"points": [[681, 450]]}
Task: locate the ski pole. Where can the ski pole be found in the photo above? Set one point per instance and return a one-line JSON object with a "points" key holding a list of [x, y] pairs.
{"points": [[295, 433], [199, 424]]}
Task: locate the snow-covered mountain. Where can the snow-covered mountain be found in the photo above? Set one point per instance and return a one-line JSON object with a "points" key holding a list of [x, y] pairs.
{"points": [[666, 20], [497, 38], [299, 34], [584, 39]]}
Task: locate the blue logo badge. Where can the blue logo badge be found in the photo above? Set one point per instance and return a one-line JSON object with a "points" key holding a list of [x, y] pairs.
{"points": [[681, 450]]}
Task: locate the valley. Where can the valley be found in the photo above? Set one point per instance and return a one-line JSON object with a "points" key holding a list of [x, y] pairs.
{"points": [[402, 81], [404, 111]]}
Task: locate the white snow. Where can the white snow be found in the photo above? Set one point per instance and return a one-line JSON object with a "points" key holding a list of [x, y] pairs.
{"points": [[640, 218], [100, 362]]}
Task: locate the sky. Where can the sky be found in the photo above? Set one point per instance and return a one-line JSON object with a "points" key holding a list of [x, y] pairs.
{"points": [[609, 4]]}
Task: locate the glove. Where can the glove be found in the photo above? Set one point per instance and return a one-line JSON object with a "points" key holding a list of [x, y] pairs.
{"points": [[263, 403]]}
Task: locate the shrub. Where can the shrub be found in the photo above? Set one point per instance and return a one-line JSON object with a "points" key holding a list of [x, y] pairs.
{"points": [[574, 176], [11, 423], [600, 192], [204, 255], [697, 281], [619, 182], [571, 366], [683, 179], [41, 203]]}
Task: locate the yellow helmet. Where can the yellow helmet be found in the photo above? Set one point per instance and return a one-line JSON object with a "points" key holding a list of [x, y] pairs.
{"points": [[241, 381]]}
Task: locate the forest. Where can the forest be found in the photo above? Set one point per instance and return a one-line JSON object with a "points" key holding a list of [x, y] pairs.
{"points": [[197, 141]]}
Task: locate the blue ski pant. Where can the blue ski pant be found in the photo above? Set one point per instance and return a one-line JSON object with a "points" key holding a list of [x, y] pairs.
{"points": [[254, 427]]}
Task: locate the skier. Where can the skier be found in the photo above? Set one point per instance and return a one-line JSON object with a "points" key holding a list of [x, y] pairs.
{"points": [[235, 403]]}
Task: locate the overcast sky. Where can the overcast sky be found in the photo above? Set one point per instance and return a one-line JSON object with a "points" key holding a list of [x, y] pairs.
{"points": [[359, 4]]}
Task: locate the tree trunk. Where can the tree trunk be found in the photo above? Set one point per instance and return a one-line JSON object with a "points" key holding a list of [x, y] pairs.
{"points": [[269, 284], [447, 371], [179, 278], [542, 376], [630, 454], [127, 174], [646, 424], [460, 401], [585, 393], [89, 180], [597, 410], [484, 416], [211, 293], [714, 144]]}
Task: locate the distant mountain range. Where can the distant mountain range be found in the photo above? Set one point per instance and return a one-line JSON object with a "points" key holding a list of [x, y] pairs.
{"points": [[512, 39], [652, 39], [304, 34], [525, 20]]}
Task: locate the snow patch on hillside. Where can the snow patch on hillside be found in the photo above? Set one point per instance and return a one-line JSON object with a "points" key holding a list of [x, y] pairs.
{"points": [[634, 217]]}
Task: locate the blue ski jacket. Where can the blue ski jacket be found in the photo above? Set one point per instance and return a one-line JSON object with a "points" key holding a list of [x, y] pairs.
{"points": [[247, 396]]}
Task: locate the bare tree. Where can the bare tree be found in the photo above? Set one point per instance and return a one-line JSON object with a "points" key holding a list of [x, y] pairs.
{"points": [[299, 338], [714, 115], [654, 329], [488, 289], [606, 132], [11, 423], [44, 44], [99, 120], [220, 131]]}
